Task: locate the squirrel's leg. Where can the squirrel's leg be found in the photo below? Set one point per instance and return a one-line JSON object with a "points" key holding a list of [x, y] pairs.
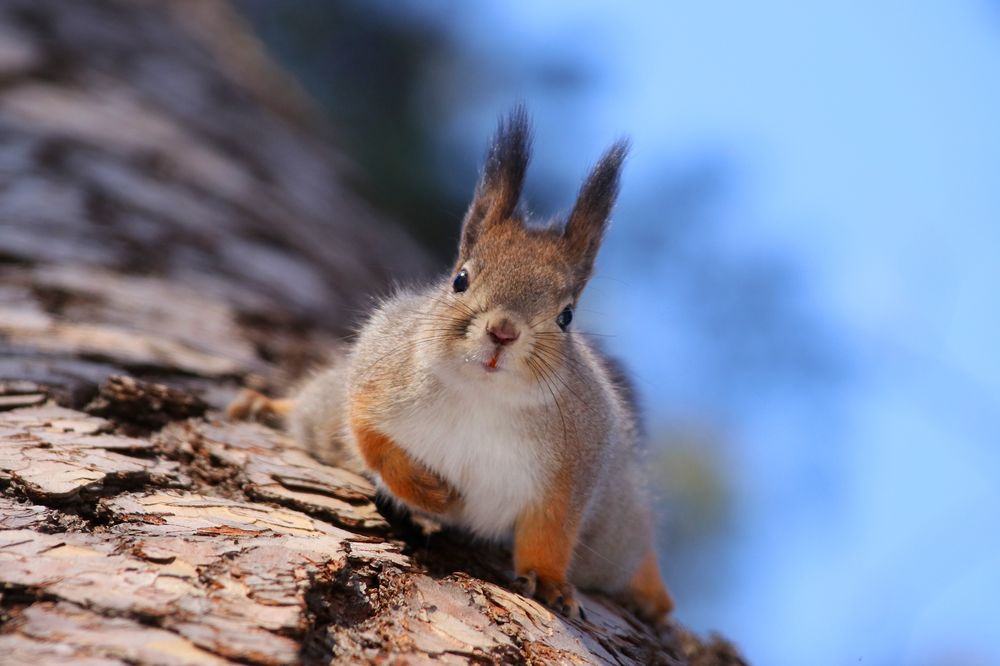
{"points": [[648, 593], [544, 539], [252, 405], [406, 478]]}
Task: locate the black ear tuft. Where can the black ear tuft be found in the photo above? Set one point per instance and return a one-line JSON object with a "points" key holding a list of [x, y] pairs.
{"points": [[499, 189], [585, 228], [507, 159]]}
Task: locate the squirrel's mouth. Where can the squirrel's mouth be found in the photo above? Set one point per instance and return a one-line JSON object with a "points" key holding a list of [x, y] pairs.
{"points": [[491, 358], [492, 364]]}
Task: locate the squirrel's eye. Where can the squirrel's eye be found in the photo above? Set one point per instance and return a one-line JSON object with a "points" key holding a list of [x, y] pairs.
{"points": [[565, 317], [461, 282]]}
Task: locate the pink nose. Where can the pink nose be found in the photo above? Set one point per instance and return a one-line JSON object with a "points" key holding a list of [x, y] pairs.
{"points": [[502, 332]]}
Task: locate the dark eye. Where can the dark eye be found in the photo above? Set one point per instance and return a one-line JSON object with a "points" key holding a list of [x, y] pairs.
{"points": [[565, 317], [461, 282]]}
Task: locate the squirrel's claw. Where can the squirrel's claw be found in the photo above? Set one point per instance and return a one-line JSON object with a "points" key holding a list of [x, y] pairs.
{"points": [[525, 585], [560, 596]]}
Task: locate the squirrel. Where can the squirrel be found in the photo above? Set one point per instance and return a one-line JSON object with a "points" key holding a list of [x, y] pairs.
{"points": [[475, 400]]}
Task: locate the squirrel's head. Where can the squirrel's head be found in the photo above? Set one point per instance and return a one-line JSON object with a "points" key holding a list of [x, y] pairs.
{"points": [[507, 307]]}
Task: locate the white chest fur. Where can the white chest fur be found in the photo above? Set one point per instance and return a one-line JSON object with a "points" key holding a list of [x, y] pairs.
{"points": [[482, 448]]}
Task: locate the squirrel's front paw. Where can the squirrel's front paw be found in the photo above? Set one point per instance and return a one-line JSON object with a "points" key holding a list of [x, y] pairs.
{"points": [[433, 493], [418, 486], [560, 596]]}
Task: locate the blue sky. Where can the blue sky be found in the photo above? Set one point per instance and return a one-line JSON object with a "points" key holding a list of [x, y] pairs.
{"points": [[861, 141]]}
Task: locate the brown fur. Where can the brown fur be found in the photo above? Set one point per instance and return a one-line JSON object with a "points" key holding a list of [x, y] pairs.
{"points": [[252, 405], [545, 538], [647, 593], [534, 439], [407, 479]]}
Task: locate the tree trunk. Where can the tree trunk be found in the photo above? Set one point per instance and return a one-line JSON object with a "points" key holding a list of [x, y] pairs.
{"points": [[171, 228]]}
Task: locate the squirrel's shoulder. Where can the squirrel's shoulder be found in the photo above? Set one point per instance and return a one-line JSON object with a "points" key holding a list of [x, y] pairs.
{"points": [[612, 373], [390, 322]]}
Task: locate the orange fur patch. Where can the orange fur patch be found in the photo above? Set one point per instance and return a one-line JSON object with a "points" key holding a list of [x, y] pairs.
{"points": [[406, 479], [252, 405], [546, 535], [282, 407], [648, 592]]}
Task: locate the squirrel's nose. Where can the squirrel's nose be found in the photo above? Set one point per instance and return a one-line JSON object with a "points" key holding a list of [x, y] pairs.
{"points": [[502, 332]]}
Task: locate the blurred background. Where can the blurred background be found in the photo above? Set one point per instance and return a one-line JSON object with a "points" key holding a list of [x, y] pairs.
{"points": [[802, 275]]}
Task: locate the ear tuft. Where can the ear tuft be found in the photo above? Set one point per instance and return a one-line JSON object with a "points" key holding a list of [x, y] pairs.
{"points": [[499, 189], [507, 159], [589, 219]]}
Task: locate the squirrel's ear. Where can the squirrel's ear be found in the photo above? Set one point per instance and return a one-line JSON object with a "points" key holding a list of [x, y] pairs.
{"points": [[499, 189], [585, 227]]}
